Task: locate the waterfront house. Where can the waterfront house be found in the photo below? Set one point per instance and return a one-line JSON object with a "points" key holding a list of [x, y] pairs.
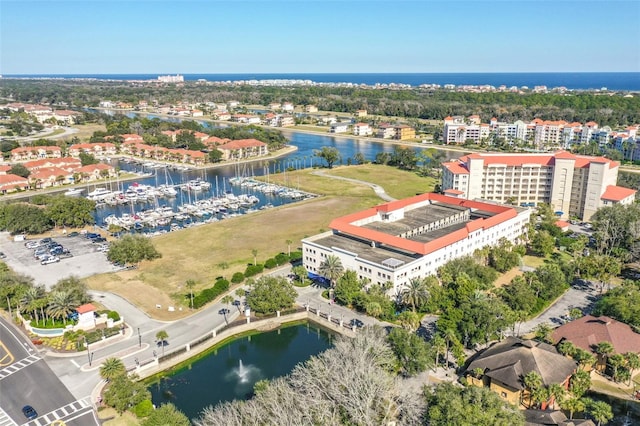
{"points": [[386, 131], [68, 164], [99, 149], [35, 152], [243, 148], [503, 366], [221, 115], [285, 120], [362, 129], [287, 107], [92, 172], [403, 132], [586, 332], [339, 128], [11, 183], [45, 177]]}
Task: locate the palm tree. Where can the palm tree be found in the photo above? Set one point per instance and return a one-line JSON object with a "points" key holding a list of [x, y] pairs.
{"points": [[331, 268], [415, 293], [566, 348], [373, 308], [30, 300], [600, 411], [190, 284], [449, 336], [604, 349], [61, 304], [112, 368], [409, 320], [573, 405], [532, 382], [289, 242], [228, 299], [162, 336], [438, 345], [616, 361], [543, 332], [223, 265], [254, 252], [633, 362], [583, 358], [557, 392]]}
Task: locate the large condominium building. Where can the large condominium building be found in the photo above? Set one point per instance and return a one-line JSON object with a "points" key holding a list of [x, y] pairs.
{"points": [[574, 185], [412, 238], [541, 133]]}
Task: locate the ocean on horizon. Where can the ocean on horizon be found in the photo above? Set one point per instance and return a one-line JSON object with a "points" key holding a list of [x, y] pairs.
{"points": [[617, 81]]}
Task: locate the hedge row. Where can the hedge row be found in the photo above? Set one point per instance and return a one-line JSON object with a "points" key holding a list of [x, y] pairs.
{"points": [[209, 294]]}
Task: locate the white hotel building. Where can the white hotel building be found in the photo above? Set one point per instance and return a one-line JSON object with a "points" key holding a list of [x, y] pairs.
{"points": [[412, 238], [574, 185]]}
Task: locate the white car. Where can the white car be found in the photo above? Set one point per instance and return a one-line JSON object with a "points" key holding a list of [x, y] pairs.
{"points": [[32, 244], [50, 259]]}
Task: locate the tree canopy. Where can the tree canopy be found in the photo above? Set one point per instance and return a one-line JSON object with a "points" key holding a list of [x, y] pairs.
{"points": [[269, 294], [132, 249]]}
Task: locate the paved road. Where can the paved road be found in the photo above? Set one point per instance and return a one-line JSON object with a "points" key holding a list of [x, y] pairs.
{"points": [[25, 379]]}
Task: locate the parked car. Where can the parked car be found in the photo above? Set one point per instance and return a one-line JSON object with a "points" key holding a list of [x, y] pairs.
{"points": [[98, 240], [73, 234], [2, 255], [91, 235], [50, 259], [29, 412], [32, 244], [45, 240], [57, 250], [40, 251]]}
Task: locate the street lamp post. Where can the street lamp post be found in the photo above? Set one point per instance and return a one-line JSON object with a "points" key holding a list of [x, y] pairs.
{"points": [[139, 338], [89, 354]]}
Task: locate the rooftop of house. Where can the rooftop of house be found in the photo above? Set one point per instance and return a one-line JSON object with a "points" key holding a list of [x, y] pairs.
{"points": [[588, 331], [512, 359]]}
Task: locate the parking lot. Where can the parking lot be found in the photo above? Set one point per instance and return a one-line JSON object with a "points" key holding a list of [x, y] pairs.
{"points": [[85, 259]]}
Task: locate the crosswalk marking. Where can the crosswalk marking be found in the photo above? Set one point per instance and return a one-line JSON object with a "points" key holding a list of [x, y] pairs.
{"points": [[18, 365], [5, 420], [74, 407]]}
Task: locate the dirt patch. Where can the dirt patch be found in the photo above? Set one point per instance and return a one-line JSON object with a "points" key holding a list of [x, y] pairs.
{"points": [[506, 278]]}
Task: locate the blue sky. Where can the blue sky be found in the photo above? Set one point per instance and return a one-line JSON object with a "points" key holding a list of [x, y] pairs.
{"points": [[306, 36]]}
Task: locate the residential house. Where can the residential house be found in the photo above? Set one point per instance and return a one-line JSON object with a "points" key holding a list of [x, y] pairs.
{"points": [[213, 141], [552, 418], [245, 118], [386, 131], [274, 106], [403, 132], [5, 169], [46, 177], [243, 148], [196, 113], [361, 113], [339, 127], [328, 120], [11, 183], [287, 107], [65, 163], [221, 115], [35, 152], [93, 172], [362, 129], [586, 332], [99, 149], [310, 108], [285, 120], [504, 365], [270, 119]]}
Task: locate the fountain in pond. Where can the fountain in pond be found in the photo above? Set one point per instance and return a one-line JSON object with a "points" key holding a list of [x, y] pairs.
{"points": [[244, 374]]}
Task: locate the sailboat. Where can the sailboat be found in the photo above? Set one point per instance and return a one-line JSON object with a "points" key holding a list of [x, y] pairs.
{"points": [[74, 192], [168, 189]]}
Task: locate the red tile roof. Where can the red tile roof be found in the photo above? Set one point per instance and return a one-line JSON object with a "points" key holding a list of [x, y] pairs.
{"points": [[10, 179], [242, 143], [515, 160], [346, 225], [456, 168], [83, 309], [453, 191], [617, 193], [588, 331]]}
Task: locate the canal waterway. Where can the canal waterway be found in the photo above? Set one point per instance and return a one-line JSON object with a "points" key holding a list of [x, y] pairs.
{"points": [[231, 371]]}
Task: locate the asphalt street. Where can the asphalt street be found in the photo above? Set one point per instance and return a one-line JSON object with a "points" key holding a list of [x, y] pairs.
{"points": [[25, 379]]}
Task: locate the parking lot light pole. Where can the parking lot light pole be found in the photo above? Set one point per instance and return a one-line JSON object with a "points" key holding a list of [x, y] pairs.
{"points": [[139, 338]]}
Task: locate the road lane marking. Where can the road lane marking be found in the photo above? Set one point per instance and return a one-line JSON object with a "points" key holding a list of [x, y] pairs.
{"points": [[75, 363], [18, 365], [6, 357]]}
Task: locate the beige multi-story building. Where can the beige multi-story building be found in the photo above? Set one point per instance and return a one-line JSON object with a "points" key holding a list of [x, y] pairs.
{"points": [[412, 238], [574, 185]]}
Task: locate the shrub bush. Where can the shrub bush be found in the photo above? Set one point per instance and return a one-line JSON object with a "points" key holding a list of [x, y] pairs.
{"points": [[281, 259], [295, 256], [209, 294], [143, 409], [113, 315], [270, 263], [252, 270], [237, 278]]}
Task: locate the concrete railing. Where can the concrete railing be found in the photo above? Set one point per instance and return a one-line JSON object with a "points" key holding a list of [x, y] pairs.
{"points": [[149, 367]]}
